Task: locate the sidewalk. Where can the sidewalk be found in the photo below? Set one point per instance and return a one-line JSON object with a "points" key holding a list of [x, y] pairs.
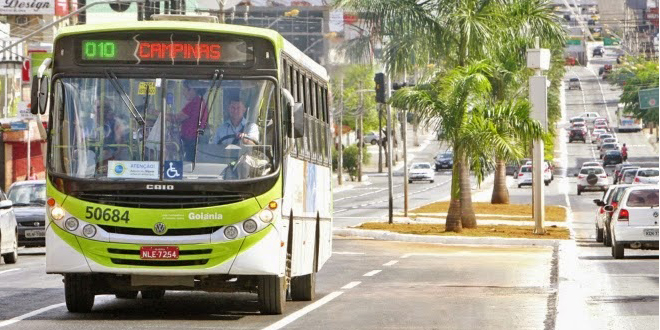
{"points": [[652, 138]]}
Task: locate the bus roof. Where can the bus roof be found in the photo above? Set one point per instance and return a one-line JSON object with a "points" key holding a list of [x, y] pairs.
{"points": [[273, 36]]}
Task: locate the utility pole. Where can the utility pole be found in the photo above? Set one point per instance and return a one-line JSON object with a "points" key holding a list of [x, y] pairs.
{"points": [[360, 133], [380, 138], [341, 131], [405, 165], [538, 59], [388, 93]]}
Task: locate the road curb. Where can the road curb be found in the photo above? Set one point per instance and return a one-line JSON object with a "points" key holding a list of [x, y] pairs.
{"points": [[383, 235]]}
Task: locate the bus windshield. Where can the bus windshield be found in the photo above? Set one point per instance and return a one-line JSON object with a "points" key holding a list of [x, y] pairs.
{"points": [[163, 129]]}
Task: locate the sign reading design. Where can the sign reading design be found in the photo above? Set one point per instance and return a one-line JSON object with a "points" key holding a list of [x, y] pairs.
{"points": [[27, 7]]}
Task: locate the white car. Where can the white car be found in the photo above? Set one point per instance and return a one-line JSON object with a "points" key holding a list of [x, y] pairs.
{"points": [[8, 231], [646, 175], [525, 174], [602, 216], [590, 116], [595, 133], [421, 172], [592, 178], [590, 164], [634, 223], [579, 125]]}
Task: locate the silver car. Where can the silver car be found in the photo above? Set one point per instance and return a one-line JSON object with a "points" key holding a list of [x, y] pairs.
{"points": [[8, 231], [606, 147]]}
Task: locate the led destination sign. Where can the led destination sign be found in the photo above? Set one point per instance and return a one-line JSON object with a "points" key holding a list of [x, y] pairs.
{"points": [[163, 52]]}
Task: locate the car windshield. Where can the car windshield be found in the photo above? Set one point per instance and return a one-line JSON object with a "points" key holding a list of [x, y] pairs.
{"points": [[643, 198], [421, 166], [151, 129], [605, 136], [446, 155], [647, 173], [591, 171], [28, 194], [526, 169], [608, 146], [613, 152]]}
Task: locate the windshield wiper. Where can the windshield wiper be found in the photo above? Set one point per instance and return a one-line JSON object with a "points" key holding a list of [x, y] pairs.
{"points": [[124, 97], [144, 127], [217, 78]]}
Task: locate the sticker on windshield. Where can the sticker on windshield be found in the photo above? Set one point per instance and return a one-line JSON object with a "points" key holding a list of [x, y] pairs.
{"points": [[132, 170], [173, 170], [147, 85]]}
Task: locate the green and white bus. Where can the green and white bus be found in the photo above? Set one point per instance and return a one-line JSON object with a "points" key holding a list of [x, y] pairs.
{"points": [[185, 156]]}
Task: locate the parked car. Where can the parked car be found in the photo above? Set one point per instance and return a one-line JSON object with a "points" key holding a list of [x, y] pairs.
{"points": [[29, 199], [598, 51], [634, 223], [628, 175], [595, 133], [574, 83], [577, 134], [444, 160], [602, 216], [612, 157], [619, 169], [592, 178], [613, 199], [524, 176], [608, 146], [646, 175], [420, 172], [371, 137], [512, 168], [8, 231]]}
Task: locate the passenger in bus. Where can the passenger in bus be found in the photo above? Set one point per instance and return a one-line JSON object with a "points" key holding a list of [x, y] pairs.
{"points": [[236, 129], [189, 118], [116, 143]]}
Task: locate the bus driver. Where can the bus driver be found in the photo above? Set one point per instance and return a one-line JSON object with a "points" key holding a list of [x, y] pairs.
{"points": [[236, 129]]}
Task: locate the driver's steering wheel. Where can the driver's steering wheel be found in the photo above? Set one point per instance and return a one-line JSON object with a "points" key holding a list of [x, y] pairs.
{"points": [[234, 136]]}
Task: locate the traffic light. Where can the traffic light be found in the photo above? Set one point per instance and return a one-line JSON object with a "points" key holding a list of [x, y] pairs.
{"points": [[380, 87]]}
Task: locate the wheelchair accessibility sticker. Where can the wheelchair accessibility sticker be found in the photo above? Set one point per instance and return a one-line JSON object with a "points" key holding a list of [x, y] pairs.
{"points": [[173, 170]]}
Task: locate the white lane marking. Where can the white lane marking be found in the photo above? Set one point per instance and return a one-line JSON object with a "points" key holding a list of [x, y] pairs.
{"points": [[602, 94], [391, 263], [373, 272], [348, 252], [350, 285], [301, 312], [9, 270], [30, 314]]}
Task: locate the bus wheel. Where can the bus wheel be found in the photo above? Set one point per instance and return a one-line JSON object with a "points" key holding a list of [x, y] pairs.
{"points": [[126, 294], [303, 287], [272, 294], [78, 293], [153, 294]]}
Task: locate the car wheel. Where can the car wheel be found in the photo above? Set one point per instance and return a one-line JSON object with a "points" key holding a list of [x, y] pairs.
{"points": [[547, 183], [12, 257], [599, 235], [409, 181], [374, 142], [519, 185], [617, 250], [579, 191], [607, 236], [432, 181], [153, 294], [78, 293]]}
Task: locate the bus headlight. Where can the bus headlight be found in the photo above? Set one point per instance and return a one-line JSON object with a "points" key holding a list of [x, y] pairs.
{"points": [[231, 232], [71, 224], [57, 213], [89, 231], [250, 226], [266, 216]]}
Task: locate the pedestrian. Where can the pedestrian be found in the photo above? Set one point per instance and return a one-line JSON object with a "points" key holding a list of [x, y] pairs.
{"points": [[624, 152], [32, 175]]}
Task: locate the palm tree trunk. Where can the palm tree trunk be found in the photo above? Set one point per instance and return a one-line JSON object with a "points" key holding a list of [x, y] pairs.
{"points": [[500, 191], [468, 218], [453, 221]]}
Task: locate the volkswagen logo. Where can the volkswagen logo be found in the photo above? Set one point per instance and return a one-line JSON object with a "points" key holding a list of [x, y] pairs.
{"points": [[160, 228]]}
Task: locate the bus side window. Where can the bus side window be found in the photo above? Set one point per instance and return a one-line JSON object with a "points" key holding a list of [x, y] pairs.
{"points": [[312, 120], [300, 145], [323, 124], [307, 105]]}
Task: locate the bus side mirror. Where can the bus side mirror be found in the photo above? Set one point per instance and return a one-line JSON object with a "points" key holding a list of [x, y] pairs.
{"points": [[34, 95], [298, 120], [42, 97]]}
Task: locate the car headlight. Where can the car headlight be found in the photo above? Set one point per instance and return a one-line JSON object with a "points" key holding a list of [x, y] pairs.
{"points": [[250, 226], [89, 231], [57, 213], [266, 216], [231, 232], [71, 224]]}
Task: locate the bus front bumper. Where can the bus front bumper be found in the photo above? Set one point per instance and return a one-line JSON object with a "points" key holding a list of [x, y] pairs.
{"points": [[261, 253]]}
